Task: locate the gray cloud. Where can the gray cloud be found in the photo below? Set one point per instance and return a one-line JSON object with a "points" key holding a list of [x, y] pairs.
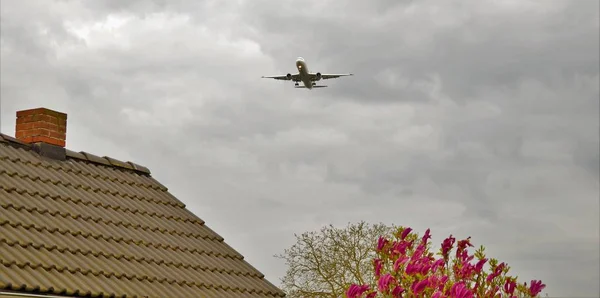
{"points": [[471, 118]]}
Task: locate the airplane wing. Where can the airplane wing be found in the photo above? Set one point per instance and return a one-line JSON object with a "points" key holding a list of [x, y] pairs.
{"points": [[329, 76], [293, 77]]}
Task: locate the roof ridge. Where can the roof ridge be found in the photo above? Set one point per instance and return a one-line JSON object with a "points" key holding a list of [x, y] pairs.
{"points": [[120, 208], [87, 188], [111, 238], [126, 257], [110, 221], [84, 173], [162, 280], [83, 156]]}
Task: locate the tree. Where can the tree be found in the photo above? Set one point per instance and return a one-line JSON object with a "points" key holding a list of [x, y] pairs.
{"points": [[326, 263], [405, 267]]}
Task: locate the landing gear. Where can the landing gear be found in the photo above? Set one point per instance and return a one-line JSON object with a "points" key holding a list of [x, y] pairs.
{"points": [[296, 84], [314, 84]]}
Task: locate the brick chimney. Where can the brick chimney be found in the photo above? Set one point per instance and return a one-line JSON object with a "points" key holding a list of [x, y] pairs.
{"points": [[41, 125], [45, 129]]}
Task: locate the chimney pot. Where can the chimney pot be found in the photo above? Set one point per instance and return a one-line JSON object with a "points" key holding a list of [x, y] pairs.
{"points": [[41, 125]]}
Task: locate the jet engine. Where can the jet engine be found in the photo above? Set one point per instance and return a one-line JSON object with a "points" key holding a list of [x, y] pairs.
{"points": [[289, 76], [318, 76]]}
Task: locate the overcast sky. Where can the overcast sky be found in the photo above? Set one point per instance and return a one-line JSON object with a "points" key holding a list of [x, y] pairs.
{"points": [[476, 118]]}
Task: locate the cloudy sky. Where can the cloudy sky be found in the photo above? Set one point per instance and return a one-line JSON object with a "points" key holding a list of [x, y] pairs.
{"points": [[476, 118]]}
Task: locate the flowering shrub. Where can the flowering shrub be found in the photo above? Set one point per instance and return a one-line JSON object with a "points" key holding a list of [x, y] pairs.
{"points": [[403, 270]]}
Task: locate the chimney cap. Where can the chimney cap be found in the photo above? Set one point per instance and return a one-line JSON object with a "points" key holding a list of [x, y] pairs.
{"points": [[44, 111], [41, 125]]}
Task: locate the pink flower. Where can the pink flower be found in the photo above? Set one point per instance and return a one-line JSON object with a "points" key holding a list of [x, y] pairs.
{"points": [[467, 271], [496, 273], [536, 287], [400, 247], [381, 243], [418, 252], [397, 292], [425, 269], [405, 233], [418, 287], [447, 245], [436, 264], [419, 273], [426, 236], [463, 256], [378, 265], [462, 245], [479, 265], [399, 262], [444, 279], [459, 290], [509, 286], [438, 283], [421, 266], [355, 291], [412, 268], [385, 281]]}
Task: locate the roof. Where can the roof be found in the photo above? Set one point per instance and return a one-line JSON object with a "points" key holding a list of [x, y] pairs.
{"points": [[93, 226]]}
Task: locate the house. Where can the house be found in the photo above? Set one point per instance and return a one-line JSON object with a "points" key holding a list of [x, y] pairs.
{"points": [[80, 225]]}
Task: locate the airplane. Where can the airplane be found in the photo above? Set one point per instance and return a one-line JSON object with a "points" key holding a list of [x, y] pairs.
{"points": [[307, 78]]}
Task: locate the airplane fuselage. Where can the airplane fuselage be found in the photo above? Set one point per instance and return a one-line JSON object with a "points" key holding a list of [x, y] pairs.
{"points": [[308, 79], [304, 74]]}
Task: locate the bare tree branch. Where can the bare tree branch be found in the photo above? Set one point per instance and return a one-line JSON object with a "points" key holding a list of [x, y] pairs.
{"points": [[325, 263]]}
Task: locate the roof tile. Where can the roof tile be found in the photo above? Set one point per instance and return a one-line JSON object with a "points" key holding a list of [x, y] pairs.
{"points": [[73, 154], [95, 159], [118, 163], [139, 168]]}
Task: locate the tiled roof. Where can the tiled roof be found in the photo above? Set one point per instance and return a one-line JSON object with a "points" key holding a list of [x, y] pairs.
{"points": [[99, 227]]}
